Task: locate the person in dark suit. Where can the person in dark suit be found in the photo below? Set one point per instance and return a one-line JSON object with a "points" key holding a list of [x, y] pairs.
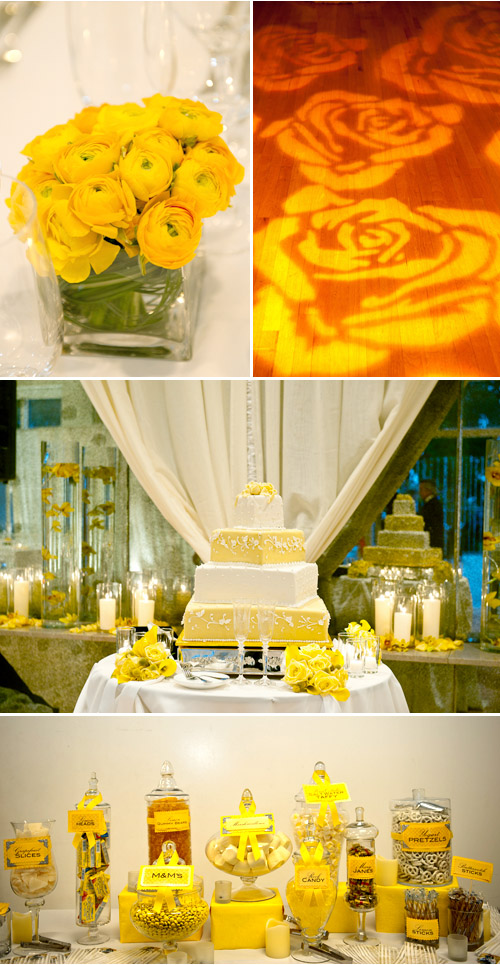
{"points": [[432, 511]]}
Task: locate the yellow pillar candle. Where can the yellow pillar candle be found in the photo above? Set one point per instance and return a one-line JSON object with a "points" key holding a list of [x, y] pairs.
{"points": [[22, 597], [21, 927], [386, 871], [277, 939], [486, 924], [145, 612], [107, 612]]}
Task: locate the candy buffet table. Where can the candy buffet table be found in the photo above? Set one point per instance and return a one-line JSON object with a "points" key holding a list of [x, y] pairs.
{"points": [[60, 925], [373, 694]]}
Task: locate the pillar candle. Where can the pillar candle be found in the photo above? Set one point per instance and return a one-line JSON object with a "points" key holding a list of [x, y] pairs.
{"points": [[21, 597], [402, 625], [277, 939], [145, 612], [107, 612], [383, 615], [21, 927], [386, 871], [431, 617]]}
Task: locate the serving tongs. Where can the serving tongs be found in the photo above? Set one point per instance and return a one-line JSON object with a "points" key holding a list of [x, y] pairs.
{"points": [[45, 944]]}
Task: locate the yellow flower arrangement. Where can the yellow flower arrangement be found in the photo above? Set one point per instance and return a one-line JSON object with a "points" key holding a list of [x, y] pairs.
{"points": [[147, 660], [492, 473], [427, 645], [316, 670]]}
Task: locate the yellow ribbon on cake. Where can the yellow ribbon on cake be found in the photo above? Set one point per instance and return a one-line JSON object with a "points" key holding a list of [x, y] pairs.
{"points": [[248, 837], [312, 895], [87, 804], [322, 779]]}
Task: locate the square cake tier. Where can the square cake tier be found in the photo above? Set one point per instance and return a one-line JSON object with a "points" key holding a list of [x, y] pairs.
{"points": [[214, 622], [410, 538], [388, 556], [415, 523], [257, 546], [290, 584]]}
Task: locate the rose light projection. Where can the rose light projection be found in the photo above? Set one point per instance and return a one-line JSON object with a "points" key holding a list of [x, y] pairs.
{"points": [[376, 214]]}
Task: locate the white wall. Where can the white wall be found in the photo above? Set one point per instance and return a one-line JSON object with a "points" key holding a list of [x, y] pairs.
{"points": [[45, 762]]}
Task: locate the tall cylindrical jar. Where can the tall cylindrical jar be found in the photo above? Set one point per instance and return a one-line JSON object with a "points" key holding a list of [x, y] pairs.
{"points": [[421, 839], [168, 816], [92, 870], [361, 894], [325, 822], [99, 472], [60, 498], [490, 597]]}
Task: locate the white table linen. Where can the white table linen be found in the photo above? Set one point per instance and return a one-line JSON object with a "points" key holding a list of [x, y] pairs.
{"points": [[38, 93], [372, 694]]}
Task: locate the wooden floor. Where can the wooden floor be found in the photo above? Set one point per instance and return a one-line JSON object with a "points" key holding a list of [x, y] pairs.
{"points": [[377, 189]]}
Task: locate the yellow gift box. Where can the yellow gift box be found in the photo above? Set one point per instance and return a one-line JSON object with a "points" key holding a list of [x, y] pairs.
{"points": [[242, 924], [390, 910], [128, 931], [342, 918]]}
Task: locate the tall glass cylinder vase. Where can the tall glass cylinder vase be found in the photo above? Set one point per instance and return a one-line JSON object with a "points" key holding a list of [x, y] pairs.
{"points": [[490, 598], [61, 501], [99, 471]]}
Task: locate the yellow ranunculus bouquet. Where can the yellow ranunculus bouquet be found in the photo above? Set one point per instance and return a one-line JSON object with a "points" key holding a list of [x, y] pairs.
{"points": [[122, 193], [146, 660], [316, 670]]}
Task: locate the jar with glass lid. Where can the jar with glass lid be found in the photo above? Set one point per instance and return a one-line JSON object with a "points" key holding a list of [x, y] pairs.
{"points": [[361, 894], [325, 821], [92, 869], [168, 816], [311, 895], [421, 839]]}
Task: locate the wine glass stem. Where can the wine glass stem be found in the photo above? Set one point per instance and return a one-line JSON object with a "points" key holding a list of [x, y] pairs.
{"points": [[220, 82], [265, 656], [361, 934], [241, 654], [35, 916]]}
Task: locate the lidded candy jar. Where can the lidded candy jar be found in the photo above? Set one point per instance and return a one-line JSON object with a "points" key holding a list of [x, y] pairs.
{"points": [[92, 868], [168, 817], [421, 839], [251, 852], [360, 893], [325, 821], [311, 894]]}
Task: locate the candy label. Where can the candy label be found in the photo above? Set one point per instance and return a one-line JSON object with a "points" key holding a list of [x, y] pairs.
{"points": [[325, 793], [89, 822], [468, 868], [423, 930], [249, 823], [166, 876], [434, 836], [26, 852], [312, 877], [171, 820], [359, 868], [88, 908]]}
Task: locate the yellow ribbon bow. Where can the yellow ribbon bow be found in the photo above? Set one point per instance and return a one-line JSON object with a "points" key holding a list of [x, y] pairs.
{"points": [[248, 836], [88, 804], [322, 780], [312, 895], [165, 894]]}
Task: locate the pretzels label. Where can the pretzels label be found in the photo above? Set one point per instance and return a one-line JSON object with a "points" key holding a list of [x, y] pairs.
{"points": [[425, 837]]}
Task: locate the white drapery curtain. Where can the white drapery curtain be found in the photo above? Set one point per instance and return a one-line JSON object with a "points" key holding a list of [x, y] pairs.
{"points": [[194, 444]]}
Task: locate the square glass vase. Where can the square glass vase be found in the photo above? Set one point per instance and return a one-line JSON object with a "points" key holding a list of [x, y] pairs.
{"points": [[125, 312]]}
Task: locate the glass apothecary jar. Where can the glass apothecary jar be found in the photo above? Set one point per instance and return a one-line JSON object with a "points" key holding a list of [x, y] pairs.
{"points": [[361, 894], [421, 839], [311, 895], [168, 816], [383, 602], [170, 916], [249, 855], [404, 616], [92, 869], [490, 597], [324, 822], [430, 610]]}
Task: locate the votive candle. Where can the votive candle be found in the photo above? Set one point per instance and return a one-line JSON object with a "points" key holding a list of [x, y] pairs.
{"points": [[402, 625], [383, 615], [21, 597], [145, 612]]}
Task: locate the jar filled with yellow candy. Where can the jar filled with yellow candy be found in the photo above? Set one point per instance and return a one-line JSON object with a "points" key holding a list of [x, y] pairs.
{"points": [[324, 821], [311, 893]]}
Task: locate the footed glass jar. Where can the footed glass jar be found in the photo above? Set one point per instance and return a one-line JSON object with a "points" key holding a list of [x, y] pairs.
{"points": [[172, 916], [325, 823], [311, 895], [92, 872], [34, 883], [361, 894], [169, 816]]}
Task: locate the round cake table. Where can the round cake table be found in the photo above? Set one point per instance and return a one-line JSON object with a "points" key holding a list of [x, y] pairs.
{"points": [[378, 693]]}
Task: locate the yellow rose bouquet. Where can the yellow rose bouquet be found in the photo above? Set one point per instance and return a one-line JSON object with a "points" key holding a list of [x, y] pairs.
{"points": [[146, 660], [122, 195], [316, 670]]}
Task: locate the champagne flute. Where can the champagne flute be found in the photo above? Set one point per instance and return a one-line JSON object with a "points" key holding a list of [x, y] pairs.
{"points": [[242, 614], [266, 618]]}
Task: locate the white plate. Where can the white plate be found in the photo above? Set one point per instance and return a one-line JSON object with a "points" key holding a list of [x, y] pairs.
{"points": [[198, 684]]}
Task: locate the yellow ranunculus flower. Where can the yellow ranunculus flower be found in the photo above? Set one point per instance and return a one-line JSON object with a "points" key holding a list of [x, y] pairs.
{"points": [[105, 204], [40, 182], [169, 231], [126, 120], [160, 142], [146, 173], [207, 183], [89, 156], [188, 121], [321, 661], [216, 150], [73, 247], [297, 674], [43, 149], [86, 120]]}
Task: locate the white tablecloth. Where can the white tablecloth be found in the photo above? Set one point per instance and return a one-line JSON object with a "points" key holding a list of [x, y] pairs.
{"points": [[38, 93], [372, 694]]}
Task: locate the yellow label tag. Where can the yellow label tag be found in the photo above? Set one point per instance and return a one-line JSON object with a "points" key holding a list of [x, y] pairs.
{"points": [[434, 836], [166, 876], [250, 823], [363, 867], [26, 852], [172, 820], [315, 877], [467, 868], [83, 821], [424, 930], [325, 793]]}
